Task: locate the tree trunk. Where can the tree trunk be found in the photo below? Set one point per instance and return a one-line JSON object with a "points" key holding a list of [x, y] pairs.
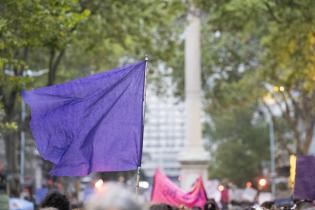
{"points": [[54, 62], [11, 146], [11, 139], [308, 137]]}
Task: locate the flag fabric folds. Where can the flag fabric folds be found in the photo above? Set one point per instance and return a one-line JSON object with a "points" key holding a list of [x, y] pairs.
{"points": [[304, 186], [90, 124], [165, 191]]}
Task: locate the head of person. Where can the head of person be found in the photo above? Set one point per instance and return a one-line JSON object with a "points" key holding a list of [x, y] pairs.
{"points": [[267, 204], [182, 207], [113, 196], [161, 206], [211, 205], [56, 200]]}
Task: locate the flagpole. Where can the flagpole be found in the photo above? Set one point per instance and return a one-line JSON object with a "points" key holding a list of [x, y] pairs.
{"points": [[138, 180], [146, 59]]}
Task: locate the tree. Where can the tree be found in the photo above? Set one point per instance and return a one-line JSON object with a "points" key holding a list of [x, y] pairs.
{"points": [[241, 145], [262, 46], [75, 38], [37, 25]]}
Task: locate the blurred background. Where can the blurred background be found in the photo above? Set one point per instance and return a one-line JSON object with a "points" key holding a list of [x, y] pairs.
{"points": [[257, 84]]}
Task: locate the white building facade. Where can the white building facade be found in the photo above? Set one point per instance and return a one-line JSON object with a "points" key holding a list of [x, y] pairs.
{"points": [[164, 134]]}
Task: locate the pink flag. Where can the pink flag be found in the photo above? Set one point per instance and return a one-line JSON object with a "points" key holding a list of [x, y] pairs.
{"points": [[165, 191]]}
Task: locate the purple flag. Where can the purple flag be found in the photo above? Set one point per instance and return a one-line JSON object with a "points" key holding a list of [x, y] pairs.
{"points": [[90, 124], [304, 187]]}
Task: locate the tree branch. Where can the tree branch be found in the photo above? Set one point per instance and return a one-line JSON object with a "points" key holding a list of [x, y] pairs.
{"points": [[283, 143], [308, 136], [53, 65], [273, 15], [50, 67], [292, 124], [309, 121]]}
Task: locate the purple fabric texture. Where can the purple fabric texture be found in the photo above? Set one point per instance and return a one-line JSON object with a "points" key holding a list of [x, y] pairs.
{"points": [[304, 187], [90, 124]]}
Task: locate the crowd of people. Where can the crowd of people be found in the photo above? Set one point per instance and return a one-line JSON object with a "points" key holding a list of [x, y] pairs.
{"points": [[114, 196]]}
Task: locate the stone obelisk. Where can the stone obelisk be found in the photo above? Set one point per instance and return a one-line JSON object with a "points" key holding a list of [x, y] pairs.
{"points": [[194, 159]]}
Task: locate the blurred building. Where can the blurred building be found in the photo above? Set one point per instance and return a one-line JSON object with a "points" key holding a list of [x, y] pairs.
{"points": [[164, 133]]}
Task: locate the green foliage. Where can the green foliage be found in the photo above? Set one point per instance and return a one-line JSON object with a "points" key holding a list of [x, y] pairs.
{"points": [[9, 126], [6, 126], [96, 35], [74, 38], [117, 33], [241, 146], [280, 34], [249, 45], [38, 25]]}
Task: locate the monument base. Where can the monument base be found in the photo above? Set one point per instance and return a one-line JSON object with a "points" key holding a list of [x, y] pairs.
{"points": [[193, 165]]}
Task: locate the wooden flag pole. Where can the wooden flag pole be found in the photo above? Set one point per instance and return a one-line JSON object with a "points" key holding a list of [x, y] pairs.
{"points": [[146, 59]]}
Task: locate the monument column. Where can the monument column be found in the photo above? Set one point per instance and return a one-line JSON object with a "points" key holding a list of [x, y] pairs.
{"points": [[194, 159]]}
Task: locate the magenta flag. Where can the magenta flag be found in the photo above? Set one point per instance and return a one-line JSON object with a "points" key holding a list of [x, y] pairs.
{"points": [[165, 191], [91, 124]]}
